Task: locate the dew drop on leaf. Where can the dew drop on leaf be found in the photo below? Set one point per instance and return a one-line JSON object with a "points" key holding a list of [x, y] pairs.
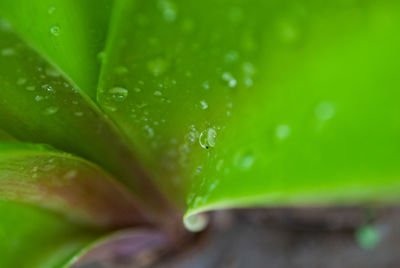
{"points": [[52, 72], [228, 77], [48, 88], [206, 85], [168, 10], [21, 81], [283, 131], [7, 52], [118, 93], [208, 138], [51, 110], [157, 66], [204, 104], [324, 111], [149, 130], [55, 30], [244, 160], [231, 56], [51, 10]]}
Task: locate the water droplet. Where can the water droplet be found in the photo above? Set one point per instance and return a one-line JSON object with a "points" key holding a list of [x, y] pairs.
{"points": [[168, 10], [196, 223], [48, 88], [55, 30], [21, 81], [7, 52], [121, 70], [52, 72], [283, 131], [111, 108], [157, 66], [248, 82], [118, 93], [325, 111], [30, 88], [137, 89], [149, 130], [5, 25], [157, 93], [51, 10], [208, 138], [213, 186], [204, 104], [288, 31], [192, 134], [231, 56], [51, 110], [248, 68], [244, 160], [79, 114], [38, 98], [367, 237], [228, 77], [206, 85]]}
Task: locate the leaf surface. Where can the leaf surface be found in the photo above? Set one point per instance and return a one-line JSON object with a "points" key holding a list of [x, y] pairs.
{"points": [[33, 238], [69, 33], [242, 103], [65, 184], [37, 105]]}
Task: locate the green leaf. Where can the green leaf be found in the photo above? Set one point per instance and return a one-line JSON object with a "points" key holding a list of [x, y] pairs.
{"points": [[66, 184], [38, 105], [69, 33], [259, 102], [33, 238]]}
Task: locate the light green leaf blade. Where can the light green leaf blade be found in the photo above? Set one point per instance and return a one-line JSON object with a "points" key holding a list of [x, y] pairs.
{"points": [[34, 238], [260, 102], [70, 33], [65, 184], [40, 106]]}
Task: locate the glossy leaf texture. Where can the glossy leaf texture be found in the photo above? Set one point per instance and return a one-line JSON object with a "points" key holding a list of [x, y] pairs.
{"points": [[33, 238], [38, 105], [243, 103], [69, 33], [40, 176]]}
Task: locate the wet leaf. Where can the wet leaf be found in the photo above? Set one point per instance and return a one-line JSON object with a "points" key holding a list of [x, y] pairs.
{"points": [[69, 33], [259, 103], [38, 105]]}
